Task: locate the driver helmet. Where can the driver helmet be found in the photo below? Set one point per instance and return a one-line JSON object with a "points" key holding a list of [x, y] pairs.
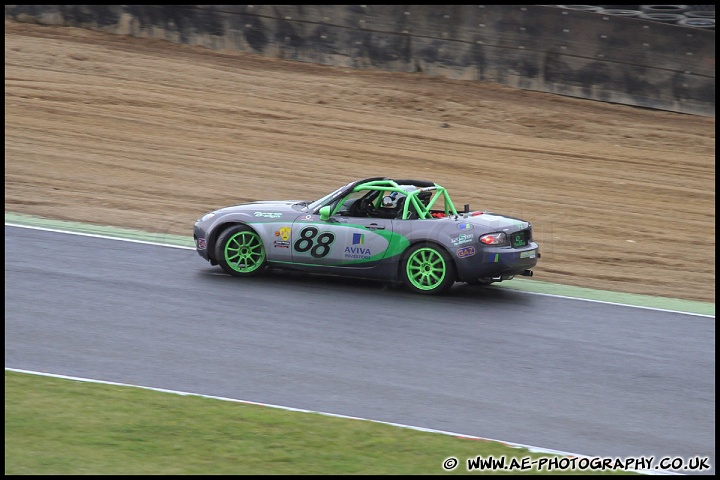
{"points": [[392, 200]]}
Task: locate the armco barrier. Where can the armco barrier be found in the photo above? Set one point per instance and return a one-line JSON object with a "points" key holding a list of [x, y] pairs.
{"points": [[544, 48]]}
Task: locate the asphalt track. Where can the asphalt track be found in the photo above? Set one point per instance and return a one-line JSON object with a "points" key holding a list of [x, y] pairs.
{"points": [[590, 378]]}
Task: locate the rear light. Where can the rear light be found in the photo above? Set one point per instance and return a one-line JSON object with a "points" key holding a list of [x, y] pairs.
{"points": [[498, 238]]}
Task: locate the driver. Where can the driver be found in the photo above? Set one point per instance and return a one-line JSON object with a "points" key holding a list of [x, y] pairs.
{"points": [[391, 205]]}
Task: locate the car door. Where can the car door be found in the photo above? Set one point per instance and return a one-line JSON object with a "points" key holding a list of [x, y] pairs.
{"points": [[340, 241]]}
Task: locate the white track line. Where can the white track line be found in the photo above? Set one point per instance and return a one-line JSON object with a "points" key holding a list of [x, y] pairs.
{"points": [[615, 303], [95, 235]]}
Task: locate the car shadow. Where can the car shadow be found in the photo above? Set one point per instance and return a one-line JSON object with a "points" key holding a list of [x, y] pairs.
{"points": [[459, 292]]}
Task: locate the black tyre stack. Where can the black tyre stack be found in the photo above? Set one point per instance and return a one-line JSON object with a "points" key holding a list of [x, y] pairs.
{"points": [[695, 16], [699, 16]]}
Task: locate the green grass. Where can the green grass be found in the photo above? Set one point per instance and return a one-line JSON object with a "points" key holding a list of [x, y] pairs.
{"points": [[62, 426]]}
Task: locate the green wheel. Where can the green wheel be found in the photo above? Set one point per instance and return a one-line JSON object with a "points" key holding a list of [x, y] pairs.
{"points": [[240, 251], [428, 269]]}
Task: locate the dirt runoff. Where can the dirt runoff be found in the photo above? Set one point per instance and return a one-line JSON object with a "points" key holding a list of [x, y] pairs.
{"points": [[146, 134]]}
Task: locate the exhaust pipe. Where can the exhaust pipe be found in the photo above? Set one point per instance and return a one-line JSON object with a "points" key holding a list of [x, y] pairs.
{"points": [[527, 273]]}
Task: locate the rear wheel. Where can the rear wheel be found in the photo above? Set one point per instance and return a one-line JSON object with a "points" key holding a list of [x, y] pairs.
{"points": [[240, 251], [428, 269]]}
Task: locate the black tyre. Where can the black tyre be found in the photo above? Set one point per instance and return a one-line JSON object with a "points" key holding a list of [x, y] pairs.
{"points": [[584, 8], [663, 8], [240, 252], [701, 14], [427, 269], [621, 12], [662, 17], [706, 23]]}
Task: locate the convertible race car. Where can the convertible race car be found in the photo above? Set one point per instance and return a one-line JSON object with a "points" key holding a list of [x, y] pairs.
{"points": [[400, 231]]}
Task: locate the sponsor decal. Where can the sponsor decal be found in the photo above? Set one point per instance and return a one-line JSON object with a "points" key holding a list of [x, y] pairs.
{"points": [[357, 252], [268, 214], [281, 244], [492, 257], [464, 252], [518, 240], [463, 238], [285, 234], [528, 254], [358, 238], [201, 245], [465, 226]]}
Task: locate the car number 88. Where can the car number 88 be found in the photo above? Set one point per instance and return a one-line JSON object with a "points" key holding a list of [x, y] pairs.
{"points": [[318, 247]]}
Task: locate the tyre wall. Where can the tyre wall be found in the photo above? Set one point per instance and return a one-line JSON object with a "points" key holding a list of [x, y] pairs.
{"points": [[572, 52]]}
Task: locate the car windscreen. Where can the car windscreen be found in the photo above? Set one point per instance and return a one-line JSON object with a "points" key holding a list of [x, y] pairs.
{"points": [[319, 203]]}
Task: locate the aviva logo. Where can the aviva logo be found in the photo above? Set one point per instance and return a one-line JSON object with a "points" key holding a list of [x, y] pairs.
{"points": [[358, 238]]}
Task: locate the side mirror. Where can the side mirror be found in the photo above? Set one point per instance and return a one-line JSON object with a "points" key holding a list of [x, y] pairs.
{"points": [[325, 212]]}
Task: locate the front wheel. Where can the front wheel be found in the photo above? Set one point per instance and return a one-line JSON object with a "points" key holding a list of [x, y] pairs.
{"points": [[428, 269], [240, 251]]}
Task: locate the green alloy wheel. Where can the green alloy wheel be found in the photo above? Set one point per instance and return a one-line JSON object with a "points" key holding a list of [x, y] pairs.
{"points": [[428, 269], [240, 251]]}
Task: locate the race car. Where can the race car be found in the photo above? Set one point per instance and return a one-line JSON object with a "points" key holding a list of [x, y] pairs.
{"points": [[394, 230]]}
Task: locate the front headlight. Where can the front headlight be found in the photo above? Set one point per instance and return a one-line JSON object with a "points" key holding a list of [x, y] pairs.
{"points": [[207, 217], [498, 238]]}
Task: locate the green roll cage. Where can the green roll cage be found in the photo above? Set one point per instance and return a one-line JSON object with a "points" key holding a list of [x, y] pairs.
{"points": [[423, 211]]}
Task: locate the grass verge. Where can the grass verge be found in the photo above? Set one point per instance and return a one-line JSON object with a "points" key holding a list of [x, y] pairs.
{"points": [[68, 427]]}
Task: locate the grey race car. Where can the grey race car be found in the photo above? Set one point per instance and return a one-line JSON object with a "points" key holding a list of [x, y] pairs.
{"points": [[394, 230]]}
